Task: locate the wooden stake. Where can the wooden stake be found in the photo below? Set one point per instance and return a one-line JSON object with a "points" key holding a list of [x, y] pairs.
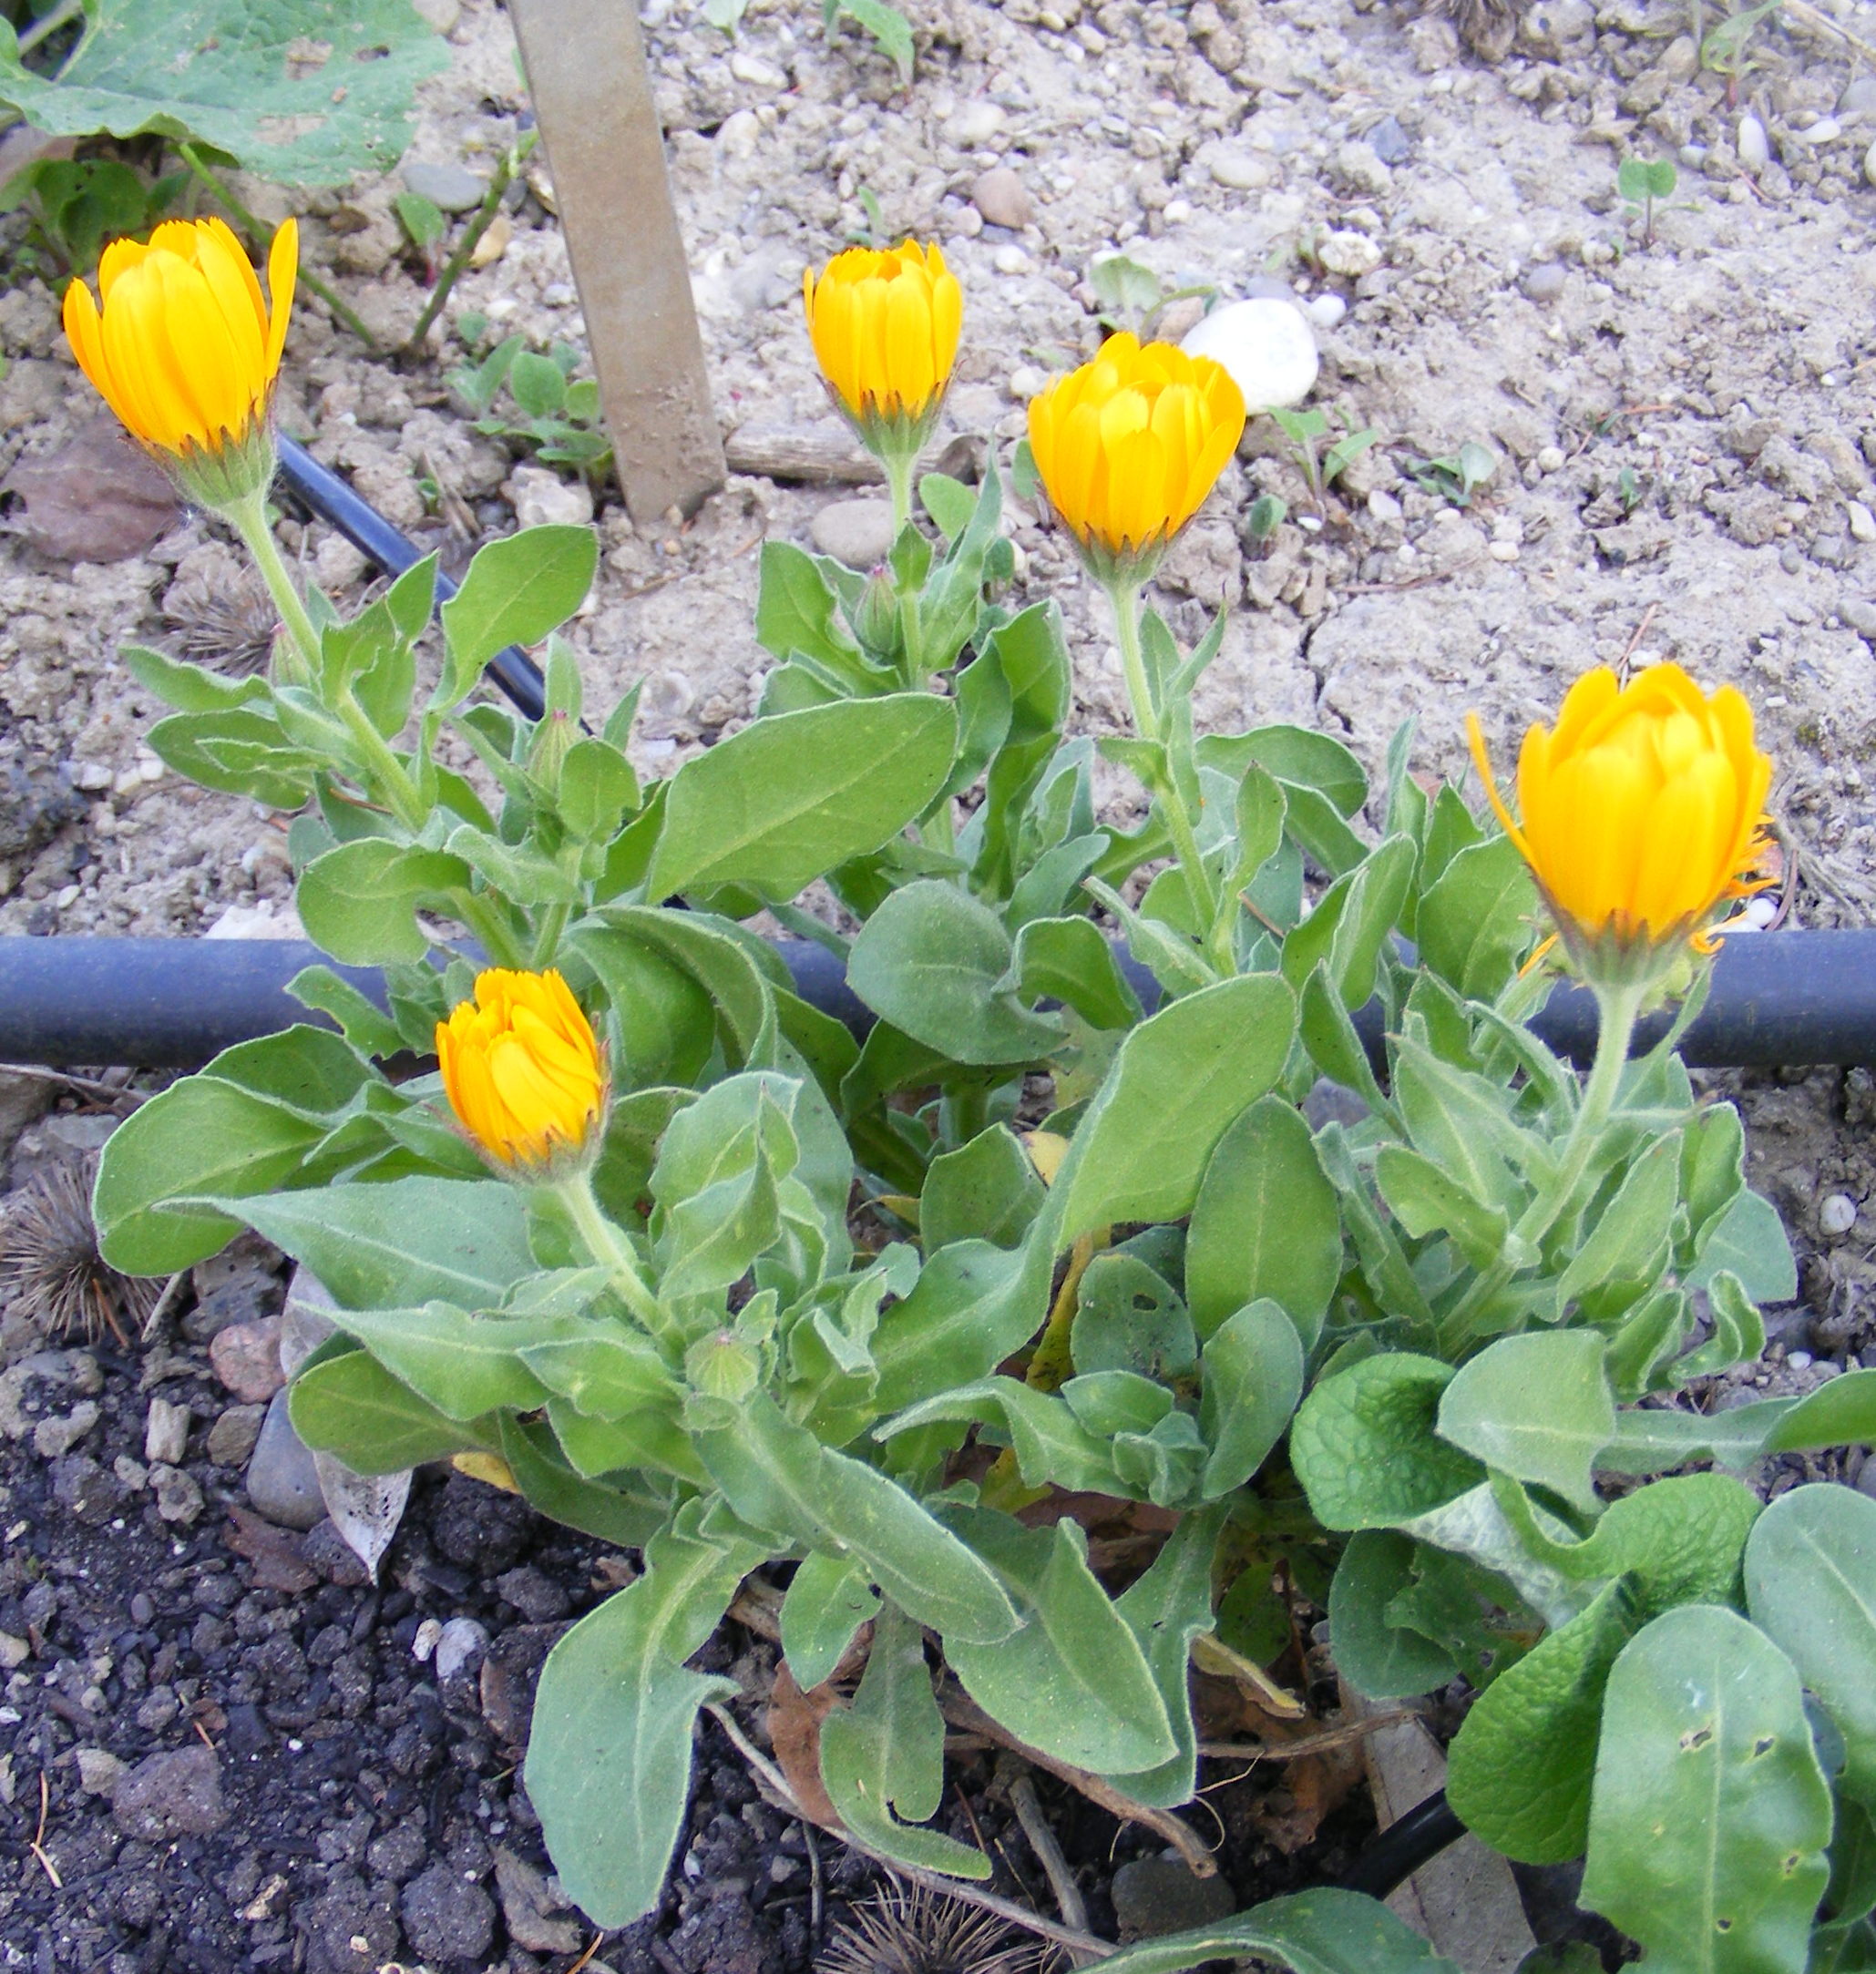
{"points": [[593, 93]]}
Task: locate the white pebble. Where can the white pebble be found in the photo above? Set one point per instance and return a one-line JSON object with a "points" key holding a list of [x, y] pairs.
{"points": [[757, 72], [1010, 259], [425, 1641], [1862, 523], [1550, 459], [1798, 1360], [1869, 164], [1024, 382], [1502, 551], [1825, 131], [1837, 1214], [1266, 346], [461, 1640], [1348, 253], [739, 133], [1384, 507], [1326, 311], [1755, 152], [1758, 914], [1176, 211]]}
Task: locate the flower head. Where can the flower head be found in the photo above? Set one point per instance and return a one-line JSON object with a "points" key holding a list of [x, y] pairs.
{"points": [[186, 351], [1129, 445], [525, 1074], [1642, 810], [885, 328]]}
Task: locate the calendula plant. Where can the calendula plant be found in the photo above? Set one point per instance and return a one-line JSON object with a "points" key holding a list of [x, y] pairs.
{"points": [[701, 1272]]}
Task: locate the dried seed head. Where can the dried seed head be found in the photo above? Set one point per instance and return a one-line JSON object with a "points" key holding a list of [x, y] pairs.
{"points": [[1488, 28], [49, 1262], [228, 624], [908, 1929]]}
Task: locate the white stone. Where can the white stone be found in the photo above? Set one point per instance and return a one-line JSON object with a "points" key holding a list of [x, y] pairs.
{"points": [[1550, 459], [1862, 523], [1502, 551], [757, 72], [1825, 131], [166, 1432], [1869, 173], [1347, 253], [1024, 382], [462, 1639], [1010, 259], [975, 124], [1836, 1214], [1239, 171], [424, 1643], [739, 134], [1384, 507], [98, 1770], [1755, 151], [539, 495], [1799, 1360], [1265, 345], [1326, 311]]}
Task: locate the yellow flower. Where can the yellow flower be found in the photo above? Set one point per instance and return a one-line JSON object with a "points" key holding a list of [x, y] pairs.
{"points": [[1129, 445], [885, 328], [525, 1074], [186, 351], [1642, 810]]}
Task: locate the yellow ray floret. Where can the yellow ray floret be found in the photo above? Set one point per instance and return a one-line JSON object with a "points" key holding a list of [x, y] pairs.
{"points": [[523, 1070], [1129, 445], [1641, 809], [885, 327], [185, 349]]}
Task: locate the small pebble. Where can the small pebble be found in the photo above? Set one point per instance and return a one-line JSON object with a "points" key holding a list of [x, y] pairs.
{"points": [[1348, 253], [1869, 164], [1502, 551], [1003, 199], [1546, 281], [1265, 345], [98, 1770], [1862, 523], [856, 532], [1239, 171], [166, 1432], [1755, 151], [452, 186], [974, 125], [232, 1435], [1799, 1360], [757, 72], [1550, 459], [283, 1482], [1024, 382], [246, 1358], [1010, 258], [1858, 101], [1326, 311], [459, 1645], [175, 1793], [425, 1640], [1836, 1214], [1825, 131]]}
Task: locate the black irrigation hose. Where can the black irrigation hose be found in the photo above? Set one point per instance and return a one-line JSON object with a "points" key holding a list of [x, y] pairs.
{"points": [[329, 497], [1778, 1000], [1407, 1843]]}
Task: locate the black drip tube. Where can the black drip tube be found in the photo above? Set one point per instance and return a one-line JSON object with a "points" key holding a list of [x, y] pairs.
{"points": [[1778, 1000], [1407, 1843]]}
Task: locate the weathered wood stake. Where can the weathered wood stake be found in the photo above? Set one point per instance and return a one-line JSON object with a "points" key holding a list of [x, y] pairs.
{"points": [[593, 93]]}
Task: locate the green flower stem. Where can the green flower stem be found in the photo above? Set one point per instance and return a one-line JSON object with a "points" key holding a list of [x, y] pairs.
{"points": [[1125, 595], [480, 220], [392, 783], [898, 480], [608, 1247], [546, 938], [249, 519], [478, 912], [1619, 1009]]}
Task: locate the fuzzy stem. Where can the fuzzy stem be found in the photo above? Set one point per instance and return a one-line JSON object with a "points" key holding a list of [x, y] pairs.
{"points": [[898, 480], [249, 520], [609, 1248]]}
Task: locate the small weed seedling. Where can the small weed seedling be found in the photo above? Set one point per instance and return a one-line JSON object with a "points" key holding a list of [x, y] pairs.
{"points": [[1726, 48], [1641, 181], [558, 414], [1130, 296], [1457, 476], [426, 226], [75, 204], [889, 28], [1266, 515], [1306, 431]]}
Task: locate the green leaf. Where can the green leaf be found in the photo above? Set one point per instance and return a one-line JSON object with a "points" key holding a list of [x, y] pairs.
{"points": [[933, 962], [597, 788], [515, 591], [1129, 1317], [1072, 1681], [887, 1753], [1322, 1932], [888, 27], [1474, 922], [236, 751], [1295, 755], [1626, 1248], [1710, 1814], [1253, 1380], [1749, 1241], [777, 1476], [1363, 1444], [1427, 1199], [1522, 1764], [200, 1136], [986, 1190], [1840, 1414], [189, 689], [608, 1756], [1177, 1083], [789, 797], [664, 1025], [1353, 922], [949, 501], [359, 901], [626, 1509], [235, 73], [1811, 1585], [394, 1246], [973, 1304], [464, 1365], [1070, 959], [1537, 1406], [1380, 1658], [1265, 1223], [1052, 1446], [366, 1026], [828, 1601], [344, 1401]]}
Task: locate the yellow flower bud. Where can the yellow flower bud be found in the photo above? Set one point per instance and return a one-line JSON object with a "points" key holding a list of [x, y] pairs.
{"points": [[186, 351], [885, 328], [1644, 809], [525, 1073], [1129, 445]]}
